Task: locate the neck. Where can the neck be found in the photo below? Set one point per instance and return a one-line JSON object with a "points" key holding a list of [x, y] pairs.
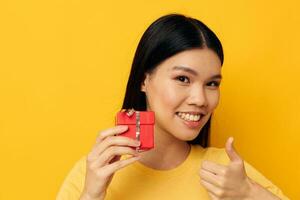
{"points": [[168, 151]]}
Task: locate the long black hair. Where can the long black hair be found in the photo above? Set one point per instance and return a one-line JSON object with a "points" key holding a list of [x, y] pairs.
{"points": [[165, 37]]}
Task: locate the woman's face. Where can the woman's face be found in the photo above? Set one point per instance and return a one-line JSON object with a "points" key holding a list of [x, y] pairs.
{"points": [[183, 91]]}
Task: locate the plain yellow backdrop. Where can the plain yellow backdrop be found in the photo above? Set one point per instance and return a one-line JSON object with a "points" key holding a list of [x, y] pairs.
{"points": [[64, 67]]}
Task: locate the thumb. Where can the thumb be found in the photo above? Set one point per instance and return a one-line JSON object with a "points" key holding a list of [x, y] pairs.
{"points": [[230, 150]]}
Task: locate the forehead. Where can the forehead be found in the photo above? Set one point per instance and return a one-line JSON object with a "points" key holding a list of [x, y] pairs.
{"points": [[203, 61]]}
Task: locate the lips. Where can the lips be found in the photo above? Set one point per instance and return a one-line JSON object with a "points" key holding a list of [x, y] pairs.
{"points": [[191, 124]]}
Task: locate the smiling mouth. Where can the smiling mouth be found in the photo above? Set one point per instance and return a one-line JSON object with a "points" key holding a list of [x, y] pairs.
{"points": [[189, 117]]}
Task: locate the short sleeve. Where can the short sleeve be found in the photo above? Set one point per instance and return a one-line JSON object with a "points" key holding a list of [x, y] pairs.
{"points": [[72, 186], [219, 155], [263, 181]]}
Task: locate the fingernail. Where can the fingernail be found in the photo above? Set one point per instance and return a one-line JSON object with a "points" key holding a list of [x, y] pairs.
{"points": [[137, 144], [122, 127]]}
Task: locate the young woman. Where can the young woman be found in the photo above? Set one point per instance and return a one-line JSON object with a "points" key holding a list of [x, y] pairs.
{"points": [[176, 73]]}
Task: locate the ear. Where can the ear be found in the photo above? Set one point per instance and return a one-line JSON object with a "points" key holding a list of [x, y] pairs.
{"points": [[144, 83]]}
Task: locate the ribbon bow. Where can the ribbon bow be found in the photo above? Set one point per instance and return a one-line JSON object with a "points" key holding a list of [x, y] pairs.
{"points": [[129, 112]]}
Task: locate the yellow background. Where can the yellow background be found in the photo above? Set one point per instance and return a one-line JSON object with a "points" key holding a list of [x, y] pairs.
{"points": [[64, 67]]}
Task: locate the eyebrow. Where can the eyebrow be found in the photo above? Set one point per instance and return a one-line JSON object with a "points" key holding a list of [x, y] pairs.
{"points": [[191, 71]]}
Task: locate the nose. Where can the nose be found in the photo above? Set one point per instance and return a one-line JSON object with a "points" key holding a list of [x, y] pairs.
{"points": [[198, 97]]}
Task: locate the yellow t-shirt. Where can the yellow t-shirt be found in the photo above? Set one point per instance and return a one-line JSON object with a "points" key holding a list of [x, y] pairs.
{"points": [[138, 182]]}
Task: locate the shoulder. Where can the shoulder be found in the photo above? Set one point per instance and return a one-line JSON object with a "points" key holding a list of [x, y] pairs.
{"points": [[214, 154], [79, 168], [72, 185]]}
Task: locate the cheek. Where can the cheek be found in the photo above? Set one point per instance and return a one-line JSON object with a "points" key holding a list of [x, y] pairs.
{"points": [[168, 96], [213, 99], [165, 96]]}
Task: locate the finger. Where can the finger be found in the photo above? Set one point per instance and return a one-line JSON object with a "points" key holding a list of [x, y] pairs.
{"points": [[112, 168], [214, 168], [115, 159], [231, 152], [118, 152], [111, 132], [216, 191], [212, 196], [210, 177], [110, 153], [114, 141]]}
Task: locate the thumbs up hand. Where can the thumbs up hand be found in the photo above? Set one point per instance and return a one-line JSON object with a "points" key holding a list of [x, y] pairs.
{"points": [[226, 182], [231, 182]]}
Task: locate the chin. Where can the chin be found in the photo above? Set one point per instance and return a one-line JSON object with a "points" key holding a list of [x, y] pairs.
{"points": [[188, 135]]}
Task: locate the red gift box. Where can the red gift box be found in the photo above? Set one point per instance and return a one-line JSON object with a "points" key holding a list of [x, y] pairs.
{"points": [[140, 127]]}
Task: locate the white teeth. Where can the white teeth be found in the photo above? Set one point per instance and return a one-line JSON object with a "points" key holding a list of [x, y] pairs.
{"points": [[189, 117]]}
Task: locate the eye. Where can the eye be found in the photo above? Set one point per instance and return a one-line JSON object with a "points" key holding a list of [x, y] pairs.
{"points": [[184, 79], [214, 84]]}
